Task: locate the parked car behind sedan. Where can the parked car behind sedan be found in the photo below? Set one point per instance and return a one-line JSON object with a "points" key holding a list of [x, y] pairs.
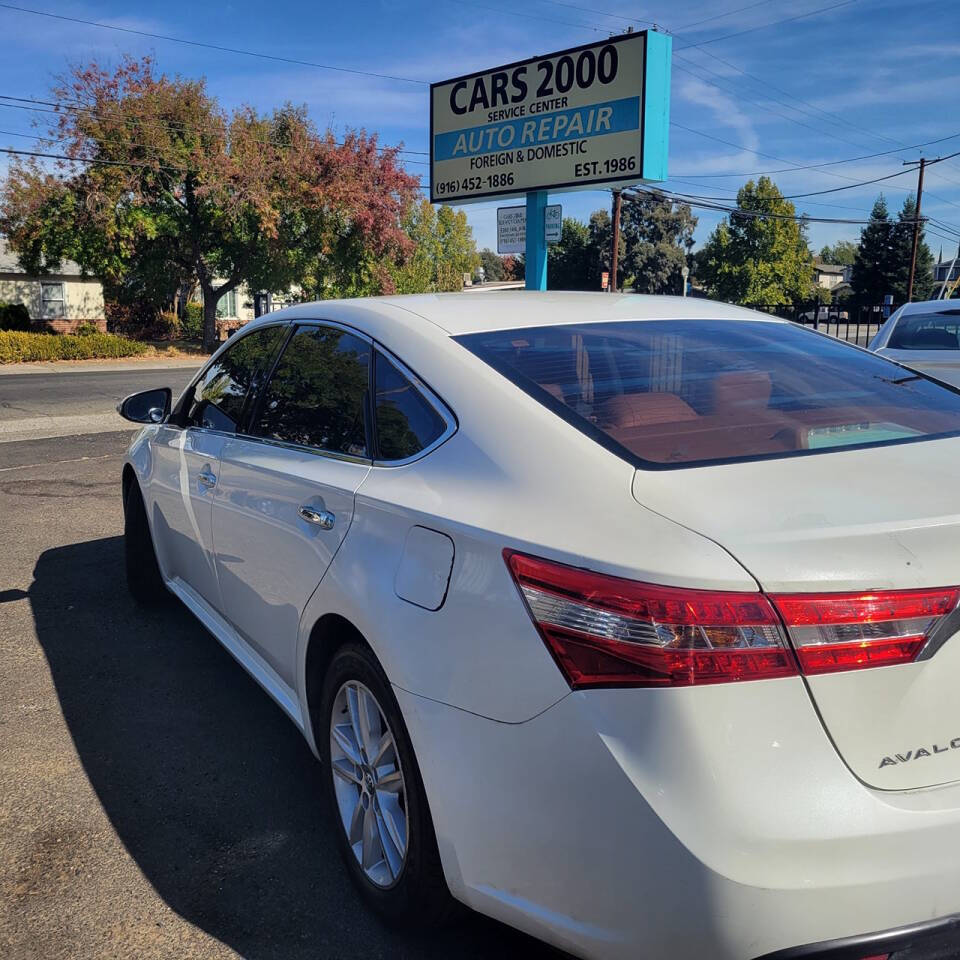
{"points": [[924, 336], [629, 621]]}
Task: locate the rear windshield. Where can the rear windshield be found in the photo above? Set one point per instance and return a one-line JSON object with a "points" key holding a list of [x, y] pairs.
{"points": [[692, 392], [927, 331]]}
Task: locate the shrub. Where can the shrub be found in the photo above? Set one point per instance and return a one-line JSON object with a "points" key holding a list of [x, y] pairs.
{"points": [[167, 326], [191, 323], [14, 316], [16, 347], [85, 329]]}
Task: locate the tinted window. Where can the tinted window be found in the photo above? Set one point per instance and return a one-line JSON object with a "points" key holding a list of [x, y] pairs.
{"points": [[219, 395], [683, 392], [406, 422], [317, 394], [927, 331]]}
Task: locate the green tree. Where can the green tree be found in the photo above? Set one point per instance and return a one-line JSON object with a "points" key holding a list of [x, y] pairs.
{"points": [[168, 183], [899, 275], [492, 265], [573, 263], [760, 255], [872, 266], [442, 250], [601, 242], [843, 252], [657, 237]]}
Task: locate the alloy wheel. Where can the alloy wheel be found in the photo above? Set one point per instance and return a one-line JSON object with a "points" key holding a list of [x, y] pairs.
{"points": [[368, 784]]}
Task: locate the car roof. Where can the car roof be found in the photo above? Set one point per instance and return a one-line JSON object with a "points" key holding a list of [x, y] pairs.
{"points": [[930, 306], [461, 313]]}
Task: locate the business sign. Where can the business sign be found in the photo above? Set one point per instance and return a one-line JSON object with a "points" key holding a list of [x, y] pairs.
{"points": [[596, 114], [512, 227]]}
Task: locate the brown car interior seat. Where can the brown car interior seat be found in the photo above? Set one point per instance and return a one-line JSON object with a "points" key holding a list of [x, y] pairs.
{"points": [[643, 409]]}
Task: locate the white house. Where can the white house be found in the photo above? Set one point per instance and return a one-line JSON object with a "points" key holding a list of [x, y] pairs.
{"points": [[830, 275], [58, 302]]}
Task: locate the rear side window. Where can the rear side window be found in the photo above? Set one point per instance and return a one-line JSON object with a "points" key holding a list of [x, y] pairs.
{"points": [[317, 394], [406, 422], [692, 392], [219, 396], [927, 331]]}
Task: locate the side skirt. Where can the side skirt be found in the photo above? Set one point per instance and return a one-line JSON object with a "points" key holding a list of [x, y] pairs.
{"points": [[241, 651]]}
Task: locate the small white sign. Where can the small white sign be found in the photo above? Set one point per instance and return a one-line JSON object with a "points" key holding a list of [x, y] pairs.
{"points": [[512, 227]]}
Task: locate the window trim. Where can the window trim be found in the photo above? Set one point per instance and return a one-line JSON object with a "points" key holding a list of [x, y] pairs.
{"points": [[182, 401], [251, 409], [440, 408]]}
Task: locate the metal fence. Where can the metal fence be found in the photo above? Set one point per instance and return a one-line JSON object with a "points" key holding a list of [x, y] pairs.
{"points": [[855, 323]]}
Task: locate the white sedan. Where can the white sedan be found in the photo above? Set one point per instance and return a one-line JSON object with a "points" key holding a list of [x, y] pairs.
{"points": [[924, 336], [629, 621]]}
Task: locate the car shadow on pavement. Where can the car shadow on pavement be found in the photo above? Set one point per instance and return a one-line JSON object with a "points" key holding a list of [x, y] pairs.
{"points": [[210, 787]]}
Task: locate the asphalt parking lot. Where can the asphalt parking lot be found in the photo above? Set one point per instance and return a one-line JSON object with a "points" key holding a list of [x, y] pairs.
{"points": [[153, 800]]}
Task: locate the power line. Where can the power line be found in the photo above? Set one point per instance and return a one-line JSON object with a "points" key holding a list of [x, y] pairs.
{"points": [[107, 163], [215, 46], [152, 119], [602, 13], [727, 13], [828, 163], [760, 104], [143, 146], [851, 186], [812, 112], [692, 201], [529, 16], [775, 23]]}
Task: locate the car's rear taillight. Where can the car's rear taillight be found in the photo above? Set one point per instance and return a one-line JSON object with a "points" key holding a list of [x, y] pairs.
{"points": [[608, 631], [849, 631]]}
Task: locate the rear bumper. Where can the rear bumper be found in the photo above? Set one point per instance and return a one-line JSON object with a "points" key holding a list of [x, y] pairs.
{"points": [[933, 940], [681, 824]]}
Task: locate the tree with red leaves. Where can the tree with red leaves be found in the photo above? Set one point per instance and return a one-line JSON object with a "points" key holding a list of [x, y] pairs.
{"points": [[164, 187]]}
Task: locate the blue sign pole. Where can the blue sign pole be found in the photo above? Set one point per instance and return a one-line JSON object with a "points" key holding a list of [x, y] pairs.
{"points": [[536, 241]]}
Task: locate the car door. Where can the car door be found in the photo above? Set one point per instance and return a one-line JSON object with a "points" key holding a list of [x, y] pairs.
{"points": [[287, 487], [186, 459]]}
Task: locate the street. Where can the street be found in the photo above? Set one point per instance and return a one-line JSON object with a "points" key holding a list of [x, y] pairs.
{"points": [[40, 404], [153, 799]]}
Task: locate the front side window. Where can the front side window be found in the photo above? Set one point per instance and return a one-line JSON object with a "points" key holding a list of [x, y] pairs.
{"points": [[317, 395], [406, 422], [927, 331], [219, 396], [691, 392], [52, 301]]}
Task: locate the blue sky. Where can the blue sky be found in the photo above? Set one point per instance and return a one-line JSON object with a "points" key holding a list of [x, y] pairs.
{"points": [[865, 77]]}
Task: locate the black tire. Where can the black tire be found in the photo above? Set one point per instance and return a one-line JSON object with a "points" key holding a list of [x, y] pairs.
{"points": [[419, 897], [143, 573]]}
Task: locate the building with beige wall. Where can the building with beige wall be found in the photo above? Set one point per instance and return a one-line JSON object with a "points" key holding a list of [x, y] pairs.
{"points": [[57, 302]]}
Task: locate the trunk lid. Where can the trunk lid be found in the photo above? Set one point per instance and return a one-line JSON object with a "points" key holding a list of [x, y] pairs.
{"points": [[886, 517]]}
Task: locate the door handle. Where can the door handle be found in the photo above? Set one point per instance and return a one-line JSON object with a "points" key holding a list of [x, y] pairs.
{"points": [[206, 478], [324, 519]]}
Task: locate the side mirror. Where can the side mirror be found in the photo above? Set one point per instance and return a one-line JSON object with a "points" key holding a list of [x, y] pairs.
{"points": [[149, 406]]}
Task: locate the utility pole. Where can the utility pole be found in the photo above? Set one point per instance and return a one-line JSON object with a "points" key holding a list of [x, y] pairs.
{"points": [[916, 232], [615, 255]]}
